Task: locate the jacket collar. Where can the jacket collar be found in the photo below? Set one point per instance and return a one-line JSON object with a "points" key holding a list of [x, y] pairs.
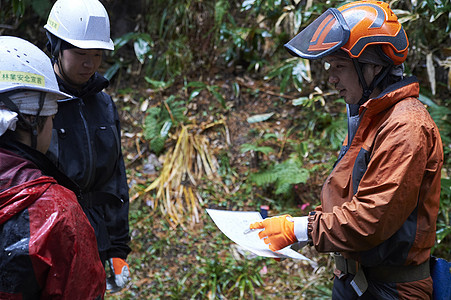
{"points": [[34, 159], [94, 85], [408, 87]]}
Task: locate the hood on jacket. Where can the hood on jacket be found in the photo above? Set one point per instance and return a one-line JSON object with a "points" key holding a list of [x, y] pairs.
{"points": [[22, 168], [21, 184]]}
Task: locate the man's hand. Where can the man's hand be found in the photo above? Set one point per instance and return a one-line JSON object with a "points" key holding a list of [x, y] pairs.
{"points": [[120, 274], [282, 231]]}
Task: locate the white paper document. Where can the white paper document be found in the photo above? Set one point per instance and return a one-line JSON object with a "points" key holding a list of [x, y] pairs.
{"points": [[234, 224]]}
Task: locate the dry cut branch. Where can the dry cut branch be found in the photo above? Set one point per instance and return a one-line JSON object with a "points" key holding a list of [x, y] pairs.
{"points": [[185, 166]]}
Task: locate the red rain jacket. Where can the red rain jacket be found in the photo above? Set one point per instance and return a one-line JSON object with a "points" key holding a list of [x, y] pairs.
{"points": [[47, 246]]}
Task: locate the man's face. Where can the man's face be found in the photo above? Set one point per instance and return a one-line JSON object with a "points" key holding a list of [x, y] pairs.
{"points": [[79, 64], [344, 77]]}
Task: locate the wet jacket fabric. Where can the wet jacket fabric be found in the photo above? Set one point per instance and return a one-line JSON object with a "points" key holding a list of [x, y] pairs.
{"points": [[86, 145], [380, 203], [47, 246]]}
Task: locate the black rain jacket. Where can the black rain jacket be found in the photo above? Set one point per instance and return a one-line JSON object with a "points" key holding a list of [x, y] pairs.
{"points": [[86, 145]]}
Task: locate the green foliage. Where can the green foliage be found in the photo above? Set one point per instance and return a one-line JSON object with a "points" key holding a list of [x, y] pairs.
{"points": [[322, 291], [442, 117], [441, 248], [335, 131], [162, 45], [444, 224], [160, 120], [244, 45], [282, 175], [171, 62], [217, 278], [251, 147], [159, 64], [19, 7], [158, 85], [142, 44], [320, 123], [198, 87], [177, 39], [205, 267], [251, 34], [291, 72], [421, 20], [178, 31]]}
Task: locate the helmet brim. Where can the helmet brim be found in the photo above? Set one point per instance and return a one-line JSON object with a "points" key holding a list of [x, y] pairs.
{"points": [[91, 44], [60, 95]]}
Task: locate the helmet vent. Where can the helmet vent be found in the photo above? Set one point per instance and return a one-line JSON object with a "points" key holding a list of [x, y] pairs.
{"points": [[19, 60]]}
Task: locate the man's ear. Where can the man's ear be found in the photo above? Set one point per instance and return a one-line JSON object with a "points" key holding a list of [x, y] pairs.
{"points": [[372, 71], [377, 69]]}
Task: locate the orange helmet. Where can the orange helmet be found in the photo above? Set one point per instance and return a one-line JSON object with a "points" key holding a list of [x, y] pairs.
{"points": [[352, 28]]}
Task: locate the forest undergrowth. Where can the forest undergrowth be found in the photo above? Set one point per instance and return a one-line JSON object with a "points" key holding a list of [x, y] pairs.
{"points": [[216, 114]]}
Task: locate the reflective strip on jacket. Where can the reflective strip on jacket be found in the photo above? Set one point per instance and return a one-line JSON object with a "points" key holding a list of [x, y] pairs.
{"points": [[380, 203], [47, 246]]}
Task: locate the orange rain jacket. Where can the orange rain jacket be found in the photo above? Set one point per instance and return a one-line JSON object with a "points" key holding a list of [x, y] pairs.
{"points": [[380, 203]]}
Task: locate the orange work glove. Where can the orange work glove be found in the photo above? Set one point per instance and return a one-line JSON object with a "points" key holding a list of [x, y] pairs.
{"points": [[120, 274], [282, 231]]}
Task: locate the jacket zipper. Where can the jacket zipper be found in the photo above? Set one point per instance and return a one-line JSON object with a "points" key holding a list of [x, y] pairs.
{"points": [[90, 160]]}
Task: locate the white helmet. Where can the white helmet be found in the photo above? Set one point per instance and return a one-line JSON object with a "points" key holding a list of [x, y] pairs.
{"points": [[82, 23], [27, 85], [23, 66]]}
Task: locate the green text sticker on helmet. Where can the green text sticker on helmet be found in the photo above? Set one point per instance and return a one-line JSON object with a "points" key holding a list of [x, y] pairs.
{"points": [[52, 23], [22, 78], [23, 66]]}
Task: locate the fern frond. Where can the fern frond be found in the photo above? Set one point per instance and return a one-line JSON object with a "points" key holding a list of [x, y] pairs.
{"points": [[283, 175], [264, 178]]}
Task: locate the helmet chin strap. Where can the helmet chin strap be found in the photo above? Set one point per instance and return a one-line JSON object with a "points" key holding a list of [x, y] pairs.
{"points": [[63, 74], [34, 124], [368, 90], [56, 48]]}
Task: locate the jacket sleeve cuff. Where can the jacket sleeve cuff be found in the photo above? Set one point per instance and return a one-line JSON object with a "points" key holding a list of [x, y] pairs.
{"points": [[311, 218], [300, 228]]}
